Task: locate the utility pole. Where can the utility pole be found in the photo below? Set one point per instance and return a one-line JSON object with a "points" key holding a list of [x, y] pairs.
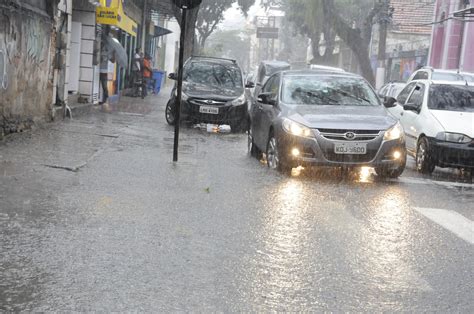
{"points": [[144, 23], [184, 5], [384, 17]]}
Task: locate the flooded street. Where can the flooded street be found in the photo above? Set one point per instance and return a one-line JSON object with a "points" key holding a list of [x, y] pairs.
{"points": [[109, 223]]}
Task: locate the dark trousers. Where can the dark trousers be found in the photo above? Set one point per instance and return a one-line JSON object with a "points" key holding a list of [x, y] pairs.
{"points": [[103, 81]]}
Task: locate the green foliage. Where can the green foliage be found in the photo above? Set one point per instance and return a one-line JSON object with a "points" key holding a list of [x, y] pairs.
{"points": [[234, 44], [211, 13]]}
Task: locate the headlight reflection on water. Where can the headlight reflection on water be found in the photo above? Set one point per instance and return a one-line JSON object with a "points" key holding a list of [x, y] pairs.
{"points": [[281, 264], [365, 174], [386, 253]]}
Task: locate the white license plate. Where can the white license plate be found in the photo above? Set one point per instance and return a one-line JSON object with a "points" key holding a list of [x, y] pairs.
{"points": [[350, 148], [211, 110]]}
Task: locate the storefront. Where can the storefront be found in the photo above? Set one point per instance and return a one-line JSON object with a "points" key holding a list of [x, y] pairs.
{"points": [[110, 16], [402, 64]]}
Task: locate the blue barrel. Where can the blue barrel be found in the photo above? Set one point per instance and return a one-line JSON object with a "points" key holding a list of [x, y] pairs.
{"points": [[157, 77]]}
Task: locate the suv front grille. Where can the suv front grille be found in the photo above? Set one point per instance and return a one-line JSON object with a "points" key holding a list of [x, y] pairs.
{"points": [[358, 135], [207, 102]]}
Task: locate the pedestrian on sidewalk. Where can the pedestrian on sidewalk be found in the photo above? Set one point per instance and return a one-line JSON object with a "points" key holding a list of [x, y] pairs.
{"points": [[106, 55], [147, 70], [136, 67]]}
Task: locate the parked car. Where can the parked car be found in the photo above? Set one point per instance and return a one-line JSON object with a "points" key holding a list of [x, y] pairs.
{"points": [[213, 92], [438, 119], [267, 69], [391, 89], [320, 118], [428, 73]]}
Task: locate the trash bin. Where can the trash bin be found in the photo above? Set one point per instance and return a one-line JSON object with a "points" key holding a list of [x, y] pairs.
{"points": [[157, 77]]}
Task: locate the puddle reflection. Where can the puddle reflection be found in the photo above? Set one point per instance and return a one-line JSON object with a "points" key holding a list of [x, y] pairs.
{"points": [[282, 263]]}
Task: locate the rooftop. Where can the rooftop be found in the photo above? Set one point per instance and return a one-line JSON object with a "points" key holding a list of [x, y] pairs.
{"points": [[411, 16]]}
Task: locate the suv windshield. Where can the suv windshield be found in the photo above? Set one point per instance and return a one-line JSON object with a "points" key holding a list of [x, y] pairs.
{"points": [[451, 97], [318, 90], [213, 74]]}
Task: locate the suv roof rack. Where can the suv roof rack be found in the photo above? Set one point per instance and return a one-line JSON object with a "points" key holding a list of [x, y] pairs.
{"points": [[215, 58]]}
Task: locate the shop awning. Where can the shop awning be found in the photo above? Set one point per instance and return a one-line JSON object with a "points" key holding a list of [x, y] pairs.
{"points": [[160, 31], [111, 13]]}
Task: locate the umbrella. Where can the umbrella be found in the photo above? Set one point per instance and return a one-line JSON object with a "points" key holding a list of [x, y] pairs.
{"points": [[114, 46]]}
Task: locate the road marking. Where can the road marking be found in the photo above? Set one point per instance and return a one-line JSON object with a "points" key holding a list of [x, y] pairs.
{"points": [[450, 220], [433, 182]]}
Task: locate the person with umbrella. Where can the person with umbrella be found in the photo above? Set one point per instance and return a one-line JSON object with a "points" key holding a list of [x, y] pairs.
{"points": [[112, 51]]}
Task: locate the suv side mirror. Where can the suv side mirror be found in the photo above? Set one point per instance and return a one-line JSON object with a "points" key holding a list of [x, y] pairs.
{"points": [[389, 102], [411, 107], [173, 76], [266, 99], [250, 85]]}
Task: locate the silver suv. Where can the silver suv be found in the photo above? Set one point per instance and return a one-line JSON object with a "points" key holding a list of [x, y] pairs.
{"points": [[335, 119]]}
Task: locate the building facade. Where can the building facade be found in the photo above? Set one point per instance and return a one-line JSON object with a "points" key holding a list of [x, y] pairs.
{"points": [[452, 40], [408, 39], [50, 52], [27, 56]]}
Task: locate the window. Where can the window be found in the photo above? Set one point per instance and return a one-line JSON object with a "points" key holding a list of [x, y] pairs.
{"points": [[272, 86], [402, 97], [268, 85], [327, 90], [213, 74], [417, 96], [451, 97], [421, 75]]}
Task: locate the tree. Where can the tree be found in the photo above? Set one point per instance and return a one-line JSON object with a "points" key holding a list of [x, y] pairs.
{"points": [[234, 44], [309, 19], [358, 37], [210, 15], [350, 20], [207, 24]]}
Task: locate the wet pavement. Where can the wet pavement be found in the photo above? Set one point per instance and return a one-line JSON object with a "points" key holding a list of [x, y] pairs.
{"points": [[94, 216]]}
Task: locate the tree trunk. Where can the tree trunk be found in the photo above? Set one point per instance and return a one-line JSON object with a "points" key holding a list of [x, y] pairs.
{"points": [[189, 35], [353, 39], [190, 32]]}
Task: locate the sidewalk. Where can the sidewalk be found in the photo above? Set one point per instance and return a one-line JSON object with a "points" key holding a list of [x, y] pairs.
{"points": [[70, 143]]}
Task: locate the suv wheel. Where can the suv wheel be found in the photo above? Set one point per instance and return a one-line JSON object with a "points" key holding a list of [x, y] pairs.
{"points": [[424, 160], [170, 113], [273, 156]]}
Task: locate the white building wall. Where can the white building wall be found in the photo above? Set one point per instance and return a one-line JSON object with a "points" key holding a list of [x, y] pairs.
{"points": [[172, 45], [84, 12]]}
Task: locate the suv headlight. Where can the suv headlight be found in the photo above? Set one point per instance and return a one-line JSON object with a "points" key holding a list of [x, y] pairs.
{"points": [[453, 137], [184, 97], [238, 101], [296, 129], [394, 133]]}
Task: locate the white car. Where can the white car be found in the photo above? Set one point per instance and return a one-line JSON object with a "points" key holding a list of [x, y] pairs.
{"points": [[438, 120], [428, 73]]}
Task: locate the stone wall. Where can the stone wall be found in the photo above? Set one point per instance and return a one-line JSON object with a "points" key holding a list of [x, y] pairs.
{"points": [[26, 56]]}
